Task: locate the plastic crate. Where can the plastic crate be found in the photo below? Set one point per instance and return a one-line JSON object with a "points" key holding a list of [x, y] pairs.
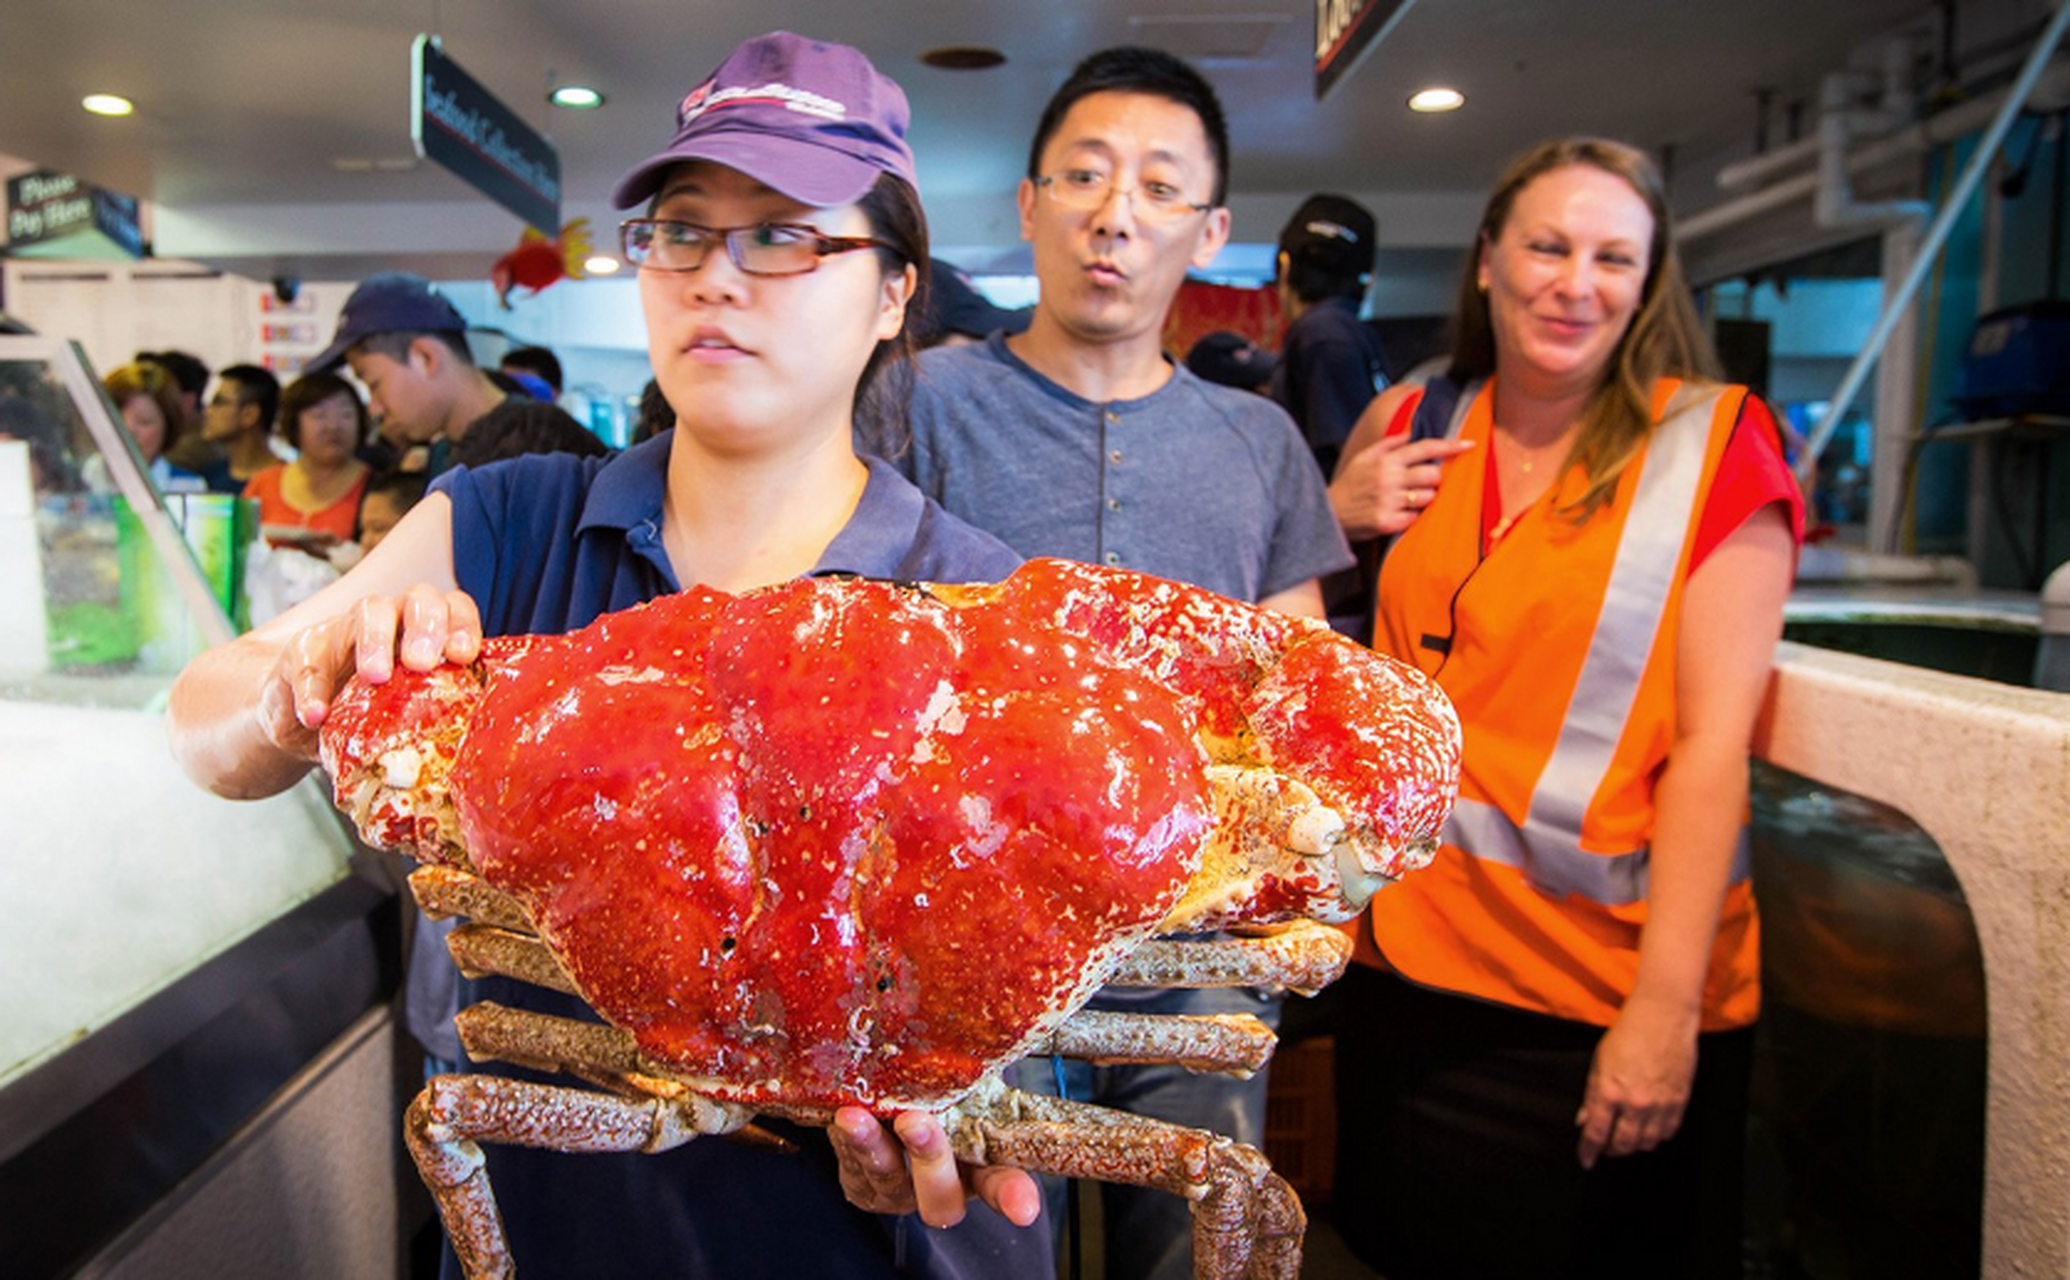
{"points": [[1301, 1118]]}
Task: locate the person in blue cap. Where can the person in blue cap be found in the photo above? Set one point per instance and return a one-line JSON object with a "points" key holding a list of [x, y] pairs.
{"points": [[780, 247]]}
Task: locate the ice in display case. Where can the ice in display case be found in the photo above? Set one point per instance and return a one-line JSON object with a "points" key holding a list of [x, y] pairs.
{"points": [[136, 909]]}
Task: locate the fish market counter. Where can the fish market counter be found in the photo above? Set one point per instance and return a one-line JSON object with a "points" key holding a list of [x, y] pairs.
{"points": [[194, 1038], [198, 1072]]}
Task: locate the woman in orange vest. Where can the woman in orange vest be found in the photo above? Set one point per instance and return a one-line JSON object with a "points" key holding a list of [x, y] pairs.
{"points": [[1543, 1050]]}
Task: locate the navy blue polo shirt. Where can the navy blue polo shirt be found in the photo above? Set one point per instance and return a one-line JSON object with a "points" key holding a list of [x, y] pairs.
{"points": [[547, 542]]}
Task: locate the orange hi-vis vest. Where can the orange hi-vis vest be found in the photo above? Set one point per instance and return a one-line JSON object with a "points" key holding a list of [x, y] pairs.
{"points": [[1558, 648]]}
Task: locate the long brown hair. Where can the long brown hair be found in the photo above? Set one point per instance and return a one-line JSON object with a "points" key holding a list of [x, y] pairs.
{"points": [[1666, 338]]}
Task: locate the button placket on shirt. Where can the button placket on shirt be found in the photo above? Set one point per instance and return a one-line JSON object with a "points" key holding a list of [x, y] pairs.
{"points": [[1113, 421]]}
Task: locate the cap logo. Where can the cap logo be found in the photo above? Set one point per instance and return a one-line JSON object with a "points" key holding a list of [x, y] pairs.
{"points": [[1333, 230], [803, 101]]}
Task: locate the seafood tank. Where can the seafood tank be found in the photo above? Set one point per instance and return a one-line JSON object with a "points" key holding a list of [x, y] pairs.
{"points": [[1867, 1136]]}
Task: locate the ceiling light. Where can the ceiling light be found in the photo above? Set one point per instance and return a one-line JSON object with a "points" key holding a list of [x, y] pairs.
{"points": [[576, 97], [601, 265], [1435, 100], [107, 104]]}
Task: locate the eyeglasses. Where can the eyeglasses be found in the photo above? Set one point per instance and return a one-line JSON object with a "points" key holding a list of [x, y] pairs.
{"points": [[767, 249], [1089, 189]]}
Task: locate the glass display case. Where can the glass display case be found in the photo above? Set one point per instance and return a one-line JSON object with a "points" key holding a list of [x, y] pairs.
{"points": [[140, 917]]}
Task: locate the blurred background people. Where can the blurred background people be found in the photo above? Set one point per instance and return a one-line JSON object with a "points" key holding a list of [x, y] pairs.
{"points": [[1229, 359], [1329, 366], [1330, 363], [957, 313], [537, 370], [407, 344], [193, 451], [524, 426], [386, 499], [148, 403], [313, 501], [238, 421]]}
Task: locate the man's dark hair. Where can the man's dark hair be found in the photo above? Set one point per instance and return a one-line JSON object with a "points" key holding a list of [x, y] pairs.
{"points": [[256, 386], [1134, 69], [522, 426], [186, 370], [395, 343], [536, 360]]}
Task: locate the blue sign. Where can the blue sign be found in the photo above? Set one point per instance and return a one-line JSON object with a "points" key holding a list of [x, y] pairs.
{"points": [[468, 130], [1346, 31]]}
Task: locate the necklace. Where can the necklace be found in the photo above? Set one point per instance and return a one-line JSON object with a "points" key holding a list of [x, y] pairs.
{"points": [[1527, 457]]}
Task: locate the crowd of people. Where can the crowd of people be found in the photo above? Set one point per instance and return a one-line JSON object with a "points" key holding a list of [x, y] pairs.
{"points": [[1577, 529]]}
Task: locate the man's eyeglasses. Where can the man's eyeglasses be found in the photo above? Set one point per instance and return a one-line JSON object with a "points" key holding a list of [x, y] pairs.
{"points": [[1089, 189], [767, 249]]}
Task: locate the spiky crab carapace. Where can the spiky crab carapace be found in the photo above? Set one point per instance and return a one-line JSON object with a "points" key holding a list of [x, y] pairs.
{"points": [[849, 842]]}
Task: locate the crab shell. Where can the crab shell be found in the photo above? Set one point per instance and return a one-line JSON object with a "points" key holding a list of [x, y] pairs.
{"points": [[852, 842]]}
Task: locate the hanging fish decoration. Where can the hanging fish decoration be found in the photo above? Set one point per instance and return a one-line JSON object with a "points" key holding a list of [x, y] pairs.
{"points": [[538, 261]]}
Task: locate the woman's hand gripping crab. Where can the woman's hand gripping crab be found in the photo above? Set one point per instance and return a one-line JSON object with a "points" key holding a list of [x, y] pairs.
{"points": [[787, 844]]}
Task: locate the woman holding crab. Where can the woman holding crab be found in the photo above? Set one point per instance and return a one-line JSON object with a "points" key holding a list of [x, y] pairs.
{"points": [[785, 205]]}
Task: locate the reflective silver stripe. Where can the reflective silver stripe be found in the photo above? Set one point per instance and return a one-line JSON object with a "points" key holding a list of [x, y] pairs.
{"points": [[1548, 847], [1554, 864]]}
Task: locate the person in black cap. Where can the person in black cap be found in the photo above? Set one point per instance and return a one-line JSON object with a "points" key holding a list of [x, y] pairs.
{"points": [[1329, 367], [779, 241], [1229, 359], [408, 345], [958, 314]]}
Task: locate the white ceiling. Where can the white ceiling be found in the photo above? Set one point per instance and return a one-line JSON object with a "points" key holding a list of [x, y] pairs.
{"points": [[246, 107]]}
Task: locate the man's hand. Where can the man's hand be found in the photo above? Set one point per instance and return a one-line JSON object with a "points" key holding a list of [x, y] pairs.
{"points": [[907, 1167]]}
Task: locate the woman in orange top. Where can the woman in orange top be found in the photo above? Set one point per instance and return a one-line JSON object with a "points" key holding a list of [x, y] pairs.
{"points": [[1543, 1051], [313, 502]]}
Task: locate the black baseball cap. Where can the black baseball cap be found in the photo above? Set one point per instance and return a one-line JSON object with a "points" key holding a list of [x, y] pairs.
{"points": [[1231, 360], [1335, 233], [391, 302], [956, 306]]}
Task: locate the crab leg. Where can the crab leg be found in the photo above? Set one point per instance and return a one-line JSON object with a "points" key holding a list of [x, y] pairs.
{"points": [[455, 1114], [1302, 956], [448, 891], [484, 949], [1232, 1043], [1247, 1222]]}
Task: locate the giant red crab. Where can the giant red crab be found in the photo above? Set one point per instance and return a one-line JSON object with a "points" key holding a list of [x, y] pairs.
{"points": [[783, 842]]}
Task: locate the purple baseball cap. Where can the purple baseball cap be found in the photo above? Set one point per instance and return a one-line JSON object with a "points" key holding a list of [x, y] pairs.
{"points": [[813, 120]]}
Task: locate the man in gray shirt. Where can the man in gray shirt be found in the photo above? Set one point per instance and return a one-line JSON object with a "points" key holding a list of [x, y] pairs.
{"points": [[1079, 438]]}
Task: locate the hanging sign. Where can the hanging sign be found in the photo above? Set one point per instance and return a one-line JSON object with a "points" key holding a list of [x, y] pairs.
{"points": [[1346, 31], [55, 215], [462, 126]]}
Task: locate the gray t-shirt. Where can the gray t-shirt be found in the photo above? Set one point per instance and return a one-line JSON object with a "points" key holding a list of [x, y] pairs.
{"points": [[1193, 482]]}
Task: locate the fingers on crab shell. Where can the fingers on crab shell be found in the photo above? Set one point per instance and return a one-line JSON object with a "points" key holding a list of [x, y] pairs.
{"points": [[389, 749]]}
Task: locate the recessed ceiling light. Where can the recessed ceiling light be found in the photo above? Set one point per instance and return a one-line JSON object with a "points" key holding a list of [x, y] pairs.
{"points": [[963, 57], [601, 266], [576, 97], [1435, 100], [107, 104]]}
